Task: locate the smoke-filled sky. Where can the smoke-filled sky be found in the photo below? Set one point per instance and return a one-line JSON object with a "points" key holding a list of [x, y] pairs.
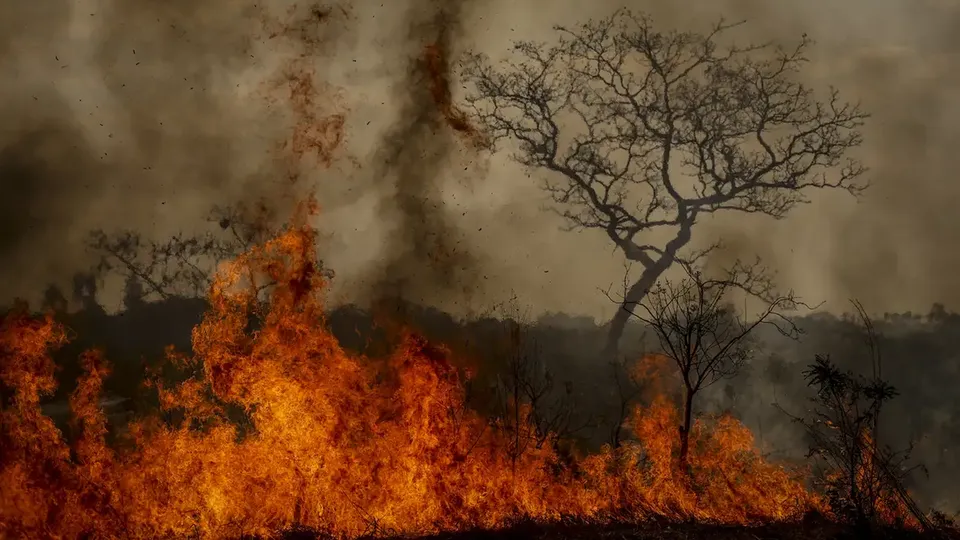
{"points": [[142, 114]]}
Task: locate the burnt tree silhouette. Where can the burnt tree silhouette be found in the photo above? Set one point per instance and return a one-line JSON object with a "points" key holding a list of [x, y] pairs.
{"points": [[182, 265], [643, 132], [531, 408], [702, 334]]}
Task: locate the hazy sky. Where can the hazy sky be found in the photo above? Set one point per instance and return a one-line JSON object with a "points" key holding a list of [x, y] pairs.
{"points": [[141, 115]]}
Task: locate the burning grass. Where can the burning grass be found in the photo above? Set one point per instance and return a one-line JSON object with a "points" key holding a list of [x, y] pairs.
{"points": [[335, 443]]}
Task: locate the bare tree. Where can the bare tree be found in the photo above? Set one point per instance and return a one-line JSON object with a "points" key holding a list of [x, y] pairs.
{"points": [[703, 334], [642, 133], [533, 411], [183, 264]]}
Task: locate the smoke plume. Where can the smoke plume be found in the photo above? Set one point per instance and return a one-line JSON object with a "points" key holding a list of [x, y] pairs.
{"points": [[143, 115], [426, 258], [136, 115]]}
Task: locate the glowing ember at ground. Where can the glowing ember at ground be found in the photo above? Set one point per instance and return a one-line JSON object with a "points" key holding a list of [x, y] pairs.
{"points": [[335, 443]]}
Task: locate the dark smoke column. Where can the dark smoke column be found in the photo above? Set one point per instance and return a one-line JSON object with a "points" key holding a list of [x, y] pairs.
{"points": [[424, 258]]}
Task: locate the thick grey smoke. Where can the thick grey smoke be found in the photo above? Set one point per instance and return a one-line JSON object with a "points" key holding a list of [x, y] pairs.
{"points": [[426, 258], [897, 57], [143, 115], [136, 115]]}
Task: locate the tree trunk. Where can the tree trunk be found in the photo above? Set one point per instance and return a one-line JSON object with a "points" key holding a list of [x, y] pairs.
{"points": [[685, 428], [634, 296]]}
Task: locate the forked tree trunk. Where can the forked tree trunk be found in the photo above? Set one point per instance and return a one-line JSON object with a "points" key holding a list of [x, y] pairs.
{"points": [[652, 271], [634, 295]]}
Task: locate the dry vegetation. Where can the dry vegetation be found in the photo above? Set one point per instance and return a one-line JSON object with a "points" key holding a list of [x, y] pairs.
{"points": [[267, 424], [352, 446]]}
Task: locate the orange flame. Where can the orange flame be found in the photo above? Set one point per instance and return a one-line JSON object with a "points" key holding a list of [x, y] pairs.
{"points": [[870, 484], [336, 443]]}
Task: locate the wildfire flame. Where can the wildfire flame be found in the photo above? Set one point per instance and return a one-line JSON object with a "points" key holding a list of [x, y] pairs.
{"points": [[334, 442]]}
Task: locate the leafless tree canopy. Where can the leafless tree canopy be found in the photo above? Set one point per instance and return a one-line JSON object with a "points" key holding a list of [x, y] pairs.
{"points": [[183, 264], [701, 331], [642, 131], [703, 335]]}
